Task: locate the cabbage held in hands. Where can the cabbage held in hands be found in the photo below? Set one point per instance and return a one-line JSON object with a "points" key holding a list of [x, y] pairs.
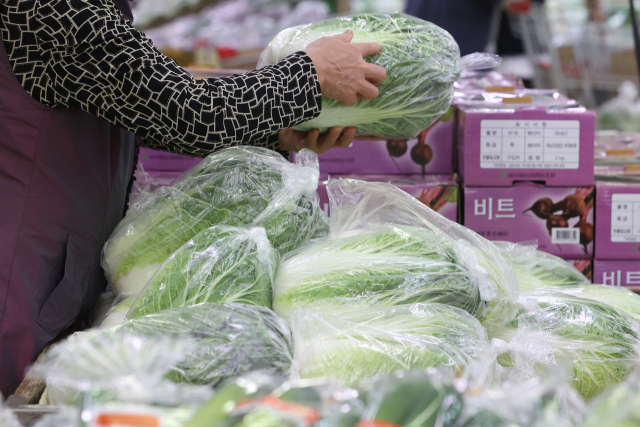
{"points": [[422, 64]]}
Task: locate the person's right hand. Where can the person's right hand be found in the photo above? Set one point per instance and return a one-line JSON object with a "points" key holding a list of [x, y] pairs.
{"points": [[343, 73]]}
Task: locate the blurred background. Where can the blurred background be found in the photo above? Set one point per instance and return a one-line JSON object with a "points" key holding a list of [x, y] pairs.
{"points": [[584, 48]]}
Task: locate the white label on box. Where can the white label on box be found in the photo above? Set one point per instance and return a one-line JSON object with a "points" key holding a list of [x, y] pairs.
{"points": [[530, 144], [561, 236], [625, 218]]}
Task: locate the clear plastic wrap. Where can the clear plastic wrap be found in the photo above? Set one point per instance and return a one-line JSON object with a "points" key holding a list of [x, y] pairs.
{"points": [[234, 187], [536, 269], [597, 342], [220, 264], [352, 343], [412, 398], [621, 298], [623, 112], [359, 207], [422, 63], [617, 407], [221, 341], [7, 419], [534, 403], [384, 265]]}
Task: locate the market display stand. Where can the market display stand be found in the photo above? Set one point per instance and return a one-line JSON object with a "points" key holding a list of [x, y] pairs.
{"points": [[25, 401]]}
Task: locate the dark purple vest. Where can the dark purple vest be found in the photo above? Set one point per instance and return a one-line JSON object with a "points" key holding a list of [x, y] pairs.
{"points": [[63, 183]]}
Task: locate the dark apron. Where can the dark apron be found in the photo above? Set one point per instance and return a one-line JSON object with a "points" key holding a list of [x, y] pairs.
{"points": [[64, 175]]}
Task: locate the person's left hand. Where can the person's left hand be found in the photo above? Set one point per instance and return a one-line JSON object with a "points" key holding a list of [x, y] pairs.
{"points": [[295, 140]]}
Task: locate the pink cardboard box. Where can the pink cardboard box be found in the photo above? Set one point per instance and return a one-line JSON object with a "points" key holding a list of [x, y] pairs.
{"points": [[154, 160], [559, 218], [499, 144], [617, 273], [430, 153], [440, 193], [618, 220]]}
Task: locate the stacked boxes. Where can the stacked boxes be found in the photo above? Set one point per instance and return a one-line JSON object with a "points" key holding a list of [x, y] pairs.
{"points": [[526, 160]]}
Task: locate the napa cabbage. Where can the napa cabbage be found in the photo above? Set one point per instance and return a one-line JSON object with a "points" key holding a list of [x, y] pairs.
{"points": [[597, 341], [234, 187], [422, 62], [220, 264], [352, 343]]}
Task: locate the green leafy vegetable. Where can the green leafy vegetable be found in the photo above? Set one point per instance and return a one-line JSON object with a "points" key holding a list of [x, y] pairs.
{"points": [[422, 64], [412, 399], [623, 299], [618, 407], [597, 340], [384, 265], [536, 269], [235, 187], [220, 264], [350, 343]]}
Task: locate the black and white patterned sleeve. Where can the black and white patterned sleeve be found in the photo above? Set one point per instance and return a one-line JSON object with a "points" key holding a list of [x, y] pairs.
{"points": [[95, 60]]}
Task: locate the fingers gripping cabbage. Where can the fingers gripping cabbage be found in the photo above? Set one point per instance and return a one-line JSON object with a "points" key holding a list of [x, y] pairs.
{"points": [[350, 344], [384, 265], [220, 264], [599, 342], [422, 64], [236, 186]]}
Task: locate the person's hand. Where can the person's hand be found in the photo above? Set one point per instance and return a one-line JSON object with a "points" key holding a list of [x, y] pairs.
{"points": [[343, 73], [295, 140]]}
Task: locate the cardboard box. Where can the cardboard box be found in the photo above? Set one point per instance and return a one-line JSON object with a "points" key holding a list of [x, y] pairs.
{"points": [[528, 211], [585, 266], [441, 193], [155, 160], [430, 153], [502, 143], [617, 273], [618, 220]]}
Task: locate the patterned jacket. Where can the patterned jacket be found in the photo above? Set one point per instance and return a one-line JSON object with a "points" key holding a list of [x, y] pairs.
{"points": [[85, 54]]}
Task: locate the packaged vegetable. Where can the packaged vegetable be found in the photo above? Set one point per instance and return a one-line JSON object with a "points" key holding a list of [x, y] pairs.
{"points": [[618, 406], [597, 342], [422, 62], [352, 343], [220, 341], [233, 187], [220, 264]]}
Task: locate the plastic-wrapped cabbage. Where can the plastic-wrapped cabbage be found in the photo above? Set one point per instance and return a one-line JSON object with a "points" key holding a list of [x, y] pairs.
{"points": [[395, 264], [597, 341], [412, 398], [536, 269], [621, 298], [422, 63], [617, 407], [350, 344], [235, 187], [534, 403], [222, 341], [220, 264], [359, 208]]}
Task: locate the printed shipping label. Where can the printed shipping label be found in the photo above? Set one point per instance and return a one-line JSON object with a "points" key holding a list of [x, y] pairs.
{"points": [[625, 218], [530, 144], [565, 235]]}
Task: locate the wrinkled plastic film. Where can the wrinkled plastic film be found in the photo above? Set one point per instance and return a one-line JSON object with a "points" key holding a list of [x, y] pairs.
{"points": [[358, 205], [383, 265], [479, 61], [422, 64], [348, 344], [234, 187], [220, 264], [595, 341]]}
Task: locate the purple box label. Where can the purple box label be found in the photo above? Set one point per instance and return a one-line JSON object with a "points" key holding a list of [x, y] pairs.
{"points": [[618, 221], [560, 219], [500, 147], [430, 153], [440, 193], [617, 273], [154, 160]]}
